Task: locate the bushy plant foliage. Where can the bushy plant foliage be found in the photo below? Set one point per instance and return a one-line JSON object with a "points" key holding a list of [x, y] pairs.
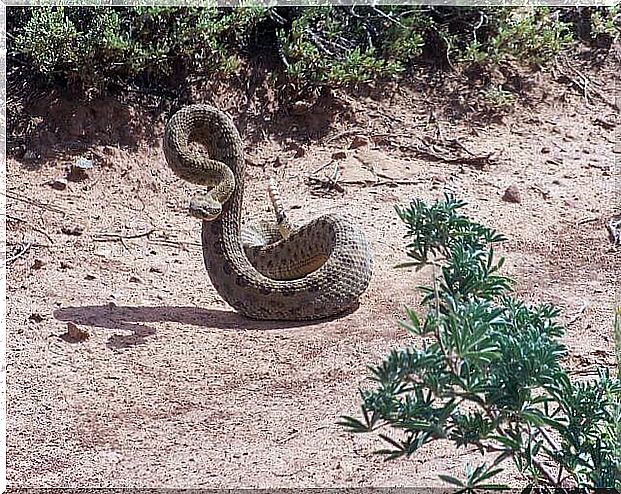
{"points": [[146, 46], [487, 373], [99, 46]]}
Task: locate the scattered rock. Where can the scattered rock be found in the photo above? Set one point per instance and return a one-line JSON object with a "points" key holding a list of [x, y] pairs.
{"points": [[90, 277], [79, 170], [277, 162], [134, 279], [546, 150], [339, 155], [75, 229], [83, 163], [358, 142], [35, 317], [158, 268], [512, 194], [75, 333], [38, 263], [65, 265], [59, 183]]}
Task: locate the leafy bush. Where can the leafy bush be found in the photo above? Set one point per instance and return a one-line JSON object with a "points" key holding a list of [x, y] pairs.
{"points": [[488, 373], [535, 36], [99, 46], [108, 47]]}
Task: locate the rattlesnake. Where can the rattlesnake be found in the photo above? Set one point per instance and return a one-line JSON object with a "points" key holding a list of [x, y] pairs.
{"points": [[271, 271]]}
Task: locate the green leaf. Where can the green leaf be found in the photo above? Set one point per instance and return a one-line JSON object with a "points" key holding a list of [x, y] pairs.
{"points": [[452, 480]]}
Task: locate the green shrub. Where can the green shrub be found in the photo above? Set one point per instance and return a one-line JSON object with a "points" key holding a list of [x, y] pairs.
{"points": [[99, 46], [534, 36], [116, 47], [488, 373]]}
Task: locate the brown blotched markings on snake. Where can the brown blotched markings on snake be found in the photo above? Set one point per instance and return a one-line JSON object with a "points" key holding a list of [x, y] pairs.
{"points": [[265, 271]]}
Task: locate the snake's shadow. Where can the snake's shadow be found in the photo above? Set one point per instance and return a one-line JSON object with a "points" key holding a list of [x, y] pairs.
{"points": [[133, 319]]}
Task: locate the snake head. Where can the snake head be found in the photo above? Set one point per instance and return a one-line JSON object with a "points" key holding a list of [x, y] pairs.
{"points": [[205, 207]]}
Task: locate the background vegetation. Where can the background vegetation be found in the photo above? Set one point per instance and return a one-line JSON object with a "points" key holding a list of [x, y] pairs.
{"points": [[94, 49]]}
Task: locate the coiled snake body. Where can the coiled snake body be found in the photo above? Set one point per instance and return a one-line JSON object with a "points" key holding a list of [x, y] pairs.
{"points": [[267, 271]]}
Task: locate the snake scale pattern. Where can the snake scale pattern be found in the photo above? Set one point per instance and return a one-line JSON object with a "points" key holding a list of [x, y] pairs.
{"points": [[271, 271]]}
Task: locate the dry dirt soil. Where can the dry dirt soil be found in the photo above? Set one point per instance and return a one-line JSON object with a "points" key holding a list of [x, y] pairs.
{"points": [[126, 369]]}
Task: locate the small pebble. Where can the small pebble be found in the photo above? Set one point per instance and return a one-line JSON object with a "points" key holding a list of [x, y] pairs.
{"points": [[36, 317], [545, 150], [76, 333], [75, 229], [339, 155], [59, 183], [134, 279], [38, 263], [157, 268], [512, 194], [90, 277]]}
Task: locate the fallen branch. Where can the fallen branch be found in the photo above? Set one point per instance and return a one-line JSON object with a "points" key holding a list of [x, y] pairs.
{"points": [[25, 248], [585, 85], [36, 229], [114, 237], [476, 161], [314, 172], [343, 134], [174, 243], [578, 314], [326, 183], [34, 202], [586, 220]]}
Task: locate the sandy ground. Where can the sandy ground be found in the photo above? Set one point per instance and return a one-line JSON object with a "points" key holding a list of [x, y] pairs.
{"points": [[170, 387]]}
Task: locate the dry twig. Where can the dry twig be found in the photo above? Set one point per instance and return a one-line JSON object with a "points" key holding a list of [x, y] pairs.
{"points": [[25, 248], [114, 237], [34, 202], [578, 314], [36, 229]]}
